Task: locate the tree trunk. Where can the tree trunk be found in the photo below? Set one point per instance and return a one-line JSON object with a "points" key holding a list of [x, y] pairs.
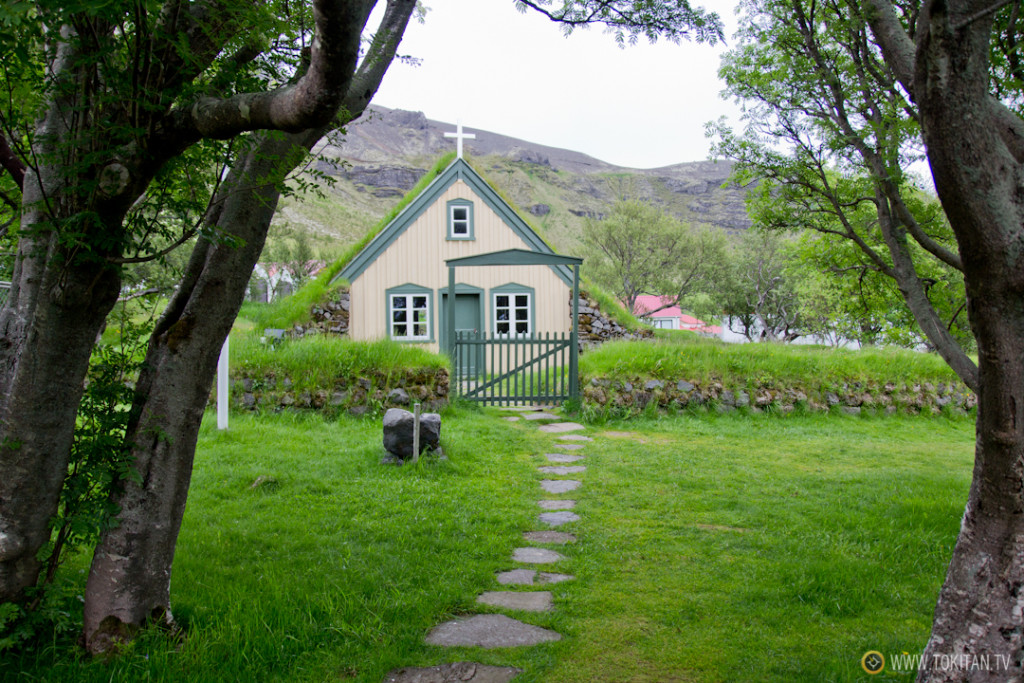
{"points": [[129, 582], [981, 606], [48, 325]]}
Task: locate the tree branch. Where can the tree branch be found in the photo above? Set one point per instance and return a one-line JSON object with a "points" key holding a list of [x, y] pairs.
{"points": [[12, 163]]}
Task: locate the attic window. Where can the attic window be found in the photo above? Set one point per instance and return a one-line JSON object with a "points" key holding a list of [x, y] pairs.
{"points": [[460, 219]]}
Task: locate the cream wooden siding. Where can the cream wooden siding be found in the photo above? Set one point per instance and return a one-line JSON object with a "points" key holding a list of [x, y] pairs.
{"points": [[417, 257]]}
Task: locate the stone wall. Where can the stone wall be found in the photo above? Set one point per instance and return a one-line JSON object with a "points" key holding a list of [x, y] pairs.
{"points": [[370, 392], [632, 396], [596, 327], [330, 317]]}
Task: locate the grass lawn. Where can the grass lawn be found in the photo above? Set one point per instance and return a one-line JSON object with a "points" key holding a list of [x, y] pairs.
{"points": [[711, 548]]}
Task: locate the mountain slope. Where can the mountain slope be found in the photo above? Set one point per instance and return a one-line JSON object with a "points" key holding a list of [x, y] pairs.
{"points": [[381, 156]]}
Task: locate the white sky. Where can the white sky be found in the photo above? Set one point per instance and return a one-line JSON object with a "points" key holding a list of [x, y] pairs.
{"points": [[516, 74]]}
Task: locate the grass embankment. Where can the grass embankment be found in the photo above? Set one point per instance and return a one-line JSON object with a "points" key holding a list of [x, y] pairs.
{"points": [[691, 357], [318, 361], [710, 548]]}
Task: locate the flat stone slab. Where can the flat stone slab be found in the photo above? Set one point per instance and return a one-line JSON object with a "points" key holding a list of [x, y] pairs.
{"points": [[559, 518], [536, 556], [559, 427], [556, 504], [563, 470], [559, 485], [569, 446], [561, 457], [541, 416], [531, 577], [489, 631], [511, 418], [460, 672], [574, 437], [559, 537], [527, 601], [521, 409]]}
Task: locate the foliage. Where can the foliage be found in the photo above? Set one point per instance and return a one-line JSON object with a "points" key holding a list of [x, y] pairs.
{"points": [[830, 139], [761, 298], [636, 249], [627, 20]]}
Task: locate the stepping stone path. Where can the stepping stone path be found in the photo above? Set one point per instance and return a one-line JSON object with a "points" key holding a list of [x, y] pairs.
{"points": [[558, 518], [557, 504], [559, 457], [528, 577], [559, 485], [493, 631], [462, 672], [573, 469]]}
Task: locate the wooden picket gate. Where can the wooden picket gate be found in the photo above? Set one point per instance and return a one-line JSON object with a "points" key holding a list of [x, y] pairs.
{"points": [[505, 370]]}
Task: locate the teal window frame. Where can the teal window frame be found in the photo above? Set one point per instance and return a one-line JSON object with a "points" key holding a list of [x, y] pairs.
{"points": [[410, 292], [466, 204], [512, 290]]}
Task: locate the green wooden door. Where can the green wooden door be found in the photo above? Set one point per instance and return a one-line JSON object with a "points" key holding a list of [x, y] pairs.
{"points": [[468, 319]]}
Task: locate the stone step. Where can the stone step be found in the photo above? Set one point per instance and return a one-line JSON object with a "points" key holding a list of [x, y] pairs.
{"points": [[569, 446], [459, 672], [559, 485], [559, 537], [526, 601], [556, 504], [560, 427], [489, 631], [562, 470], [541, 416], [574, 437], [559, 518], [530, 577], [512, 418], [536, 555], [560, 457]]}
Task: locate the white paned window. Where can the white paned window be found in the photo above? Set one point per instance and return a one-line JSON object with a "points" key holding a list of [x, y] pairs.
{"points": [[410, 316], [459, 221], [512, 315]]}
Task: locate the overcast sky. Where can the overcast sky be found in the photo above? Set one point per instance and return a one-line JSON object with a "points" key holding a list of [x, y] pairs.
{"points": [[516, 74]]}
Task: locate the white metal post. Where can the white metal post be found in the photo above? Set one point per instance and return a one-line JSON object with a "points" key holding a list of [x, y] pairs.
{"points": [[222, 386]]}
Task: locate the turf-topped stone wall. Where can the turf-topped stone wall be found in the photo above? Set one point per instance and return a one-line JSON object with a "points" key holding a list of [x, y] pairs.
{"points": [[597, 327], [636, 395], [367, 393]]}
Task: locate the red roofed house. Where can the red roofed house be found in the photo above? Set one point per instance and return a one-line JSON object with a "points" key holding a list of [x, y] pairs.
{"points": [[670, 318]]}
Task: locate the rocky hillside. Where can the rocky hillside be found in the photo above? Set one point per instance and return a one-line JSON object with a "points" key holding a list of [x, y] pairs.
{"points": [[382, 155]]}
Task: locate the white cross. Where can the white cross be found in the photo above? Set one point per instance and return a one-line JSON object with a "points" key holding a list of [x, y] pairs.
{"points": [[459, 137]]}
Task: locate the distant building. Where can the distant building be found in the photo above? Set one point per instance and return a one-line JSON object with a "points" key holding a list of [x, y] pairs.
{"points": [[272, 281], [671, 318]]}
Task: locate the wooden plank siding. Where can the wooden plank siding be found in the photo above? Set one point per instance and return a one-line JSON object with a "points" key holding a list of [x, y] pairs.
{"points": [[418, 257]]}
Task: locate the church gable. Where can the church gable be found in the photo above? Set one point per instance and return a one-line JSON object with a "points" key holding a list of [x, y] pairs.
{"points": [[472, 202]]}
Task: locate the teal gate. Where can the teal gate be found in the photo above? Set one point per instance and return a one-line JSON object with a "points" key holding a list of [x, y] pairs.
{"points": [[514, 370], [508, 369]]}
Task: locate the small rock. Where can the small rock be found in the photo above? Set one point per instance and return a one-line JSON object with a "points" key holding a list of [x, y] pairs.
{"points": [[398, 397], [398, 428], [536, 555]]}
